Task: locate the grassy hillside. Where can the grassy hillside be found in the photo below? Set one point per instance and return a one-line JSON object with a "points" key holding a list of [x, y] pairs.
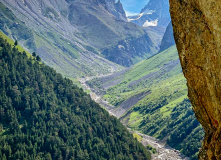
{"points": [[62, 53], [44, 116], [11, 42], [15, 28], [152, 97]]}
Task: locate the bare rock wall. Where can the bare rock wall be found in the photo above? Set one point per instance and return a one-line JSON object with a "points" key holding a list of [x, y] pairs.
{"points": [[197, 32]]}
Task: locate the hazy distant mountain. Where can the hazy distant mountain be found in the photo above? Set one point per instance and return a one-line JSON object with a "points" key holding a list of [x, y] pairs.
{"points": [[155, 13], [154, 18]]}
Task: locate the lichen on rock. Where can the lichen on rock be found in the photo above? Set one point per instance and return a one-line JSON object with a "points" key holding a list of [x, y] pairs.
{"points": [[197, 32]]}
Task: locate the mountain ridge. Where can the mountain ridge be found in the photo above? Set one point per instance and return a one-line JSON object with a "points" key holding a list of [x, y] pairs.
{"points": [[57, 51], [98, 28]]}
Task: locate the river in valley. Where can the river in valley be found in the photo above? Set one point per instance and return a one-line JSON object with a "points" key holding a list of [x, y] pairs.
{"points": [[163, 151]]}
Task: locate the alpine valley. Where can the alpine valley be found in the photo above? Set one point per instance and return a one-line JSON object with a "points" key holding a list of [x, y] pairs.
{"points": [[151, 97], [85, 51]]}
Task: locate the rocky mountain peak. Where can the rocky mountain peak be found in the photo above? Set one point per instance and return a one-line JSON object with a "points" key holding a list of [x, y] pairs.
{"points": [[116, 8], [155, 13], [160, 7]]}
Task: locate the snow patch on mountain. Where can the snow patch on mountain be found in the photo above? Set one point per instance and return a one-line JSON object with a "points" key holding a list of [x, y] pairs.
{"points": [[150, 23], [137, 17]]}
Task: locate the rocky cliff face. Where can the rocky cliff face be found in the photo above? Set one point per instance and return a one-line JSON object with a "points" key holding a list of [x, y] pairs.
{"points": [[197, 31]]}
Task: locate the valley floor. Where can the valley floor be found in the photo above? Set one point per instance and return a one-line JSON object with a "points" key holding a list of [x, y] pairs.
{"points": [[163, 151]]}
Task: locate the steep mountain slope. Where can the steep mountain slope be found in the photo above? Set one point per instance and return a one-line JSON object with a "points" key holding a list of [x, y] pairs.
{"points": [[80, 31], [69, 58], [168, 39], [44, 116], [152, 97]]}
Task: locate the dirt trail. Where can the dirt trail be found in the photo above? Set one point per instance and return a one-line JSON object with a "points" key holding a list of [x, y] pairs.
{"points": [[164, 152]]}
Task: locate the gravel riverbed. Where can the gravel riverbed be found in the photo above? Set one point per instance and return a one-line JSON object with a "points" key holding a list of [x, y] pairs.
{"points": [[163, 151]]}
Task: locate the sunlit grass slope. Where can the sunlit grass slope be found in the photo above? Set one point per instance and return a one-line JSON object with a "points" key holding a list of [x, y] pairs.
{"points": [[162, 109], [11, 42]]}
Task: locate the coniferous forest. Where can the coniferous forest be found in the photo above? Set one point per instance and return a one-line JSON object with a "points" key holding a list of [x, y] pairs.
{"points": [[45, 116]]}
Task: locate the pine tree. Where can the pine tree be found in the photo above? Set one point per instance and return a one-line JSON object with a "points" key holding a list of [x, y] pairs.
{"points": [[16, 43], [34, 54], [38, 58]]}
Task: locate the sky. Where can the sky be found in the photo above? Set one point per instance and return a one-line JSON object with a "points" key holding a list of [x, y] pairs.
{"points": [[133, 7]]}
